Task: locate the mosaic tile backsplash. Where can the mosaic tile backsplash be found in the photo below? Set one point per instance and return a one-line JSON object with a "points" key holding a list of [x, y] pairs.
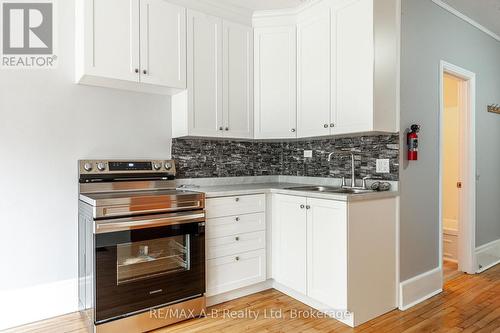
{"points": [[202, 158]]}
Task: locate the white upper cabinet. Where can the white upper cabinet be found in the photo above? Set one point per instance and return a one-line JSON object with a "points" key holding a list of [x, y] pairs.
{"points": [[134, 45], [238, 80], [275, 82], [314, 75], [204, 63], [365, 66], [163, 44], [219, 99]]}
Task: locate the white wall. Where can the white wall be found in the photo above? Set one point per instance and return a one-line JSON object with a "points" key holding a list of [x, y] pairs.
{"points": [[431, 34], [47, 123]]}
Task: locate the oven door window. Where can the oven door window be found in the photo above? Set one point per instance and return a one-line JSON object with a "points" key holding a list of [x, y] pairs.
{"points": [[148, 259]]}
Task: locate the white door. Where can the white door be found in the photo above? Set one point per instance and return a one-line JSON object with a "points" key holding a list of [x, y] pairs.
{"points": [[314, 76], [204, 54], [275, 82], [113, 51], [327, 252], [289, 241], [163, 44], [238, 80], [352, 35]]}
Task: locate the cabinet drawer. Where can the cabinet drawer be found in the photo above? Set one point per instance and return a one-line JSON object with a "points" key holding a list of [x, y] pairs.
{"points": [[231, 245], [233, 272], [237, 205], [233, 225]]}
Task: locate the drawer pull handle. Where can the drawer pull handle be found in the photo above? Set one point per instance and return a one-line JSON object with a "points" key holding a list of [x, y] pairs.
{"points": [[237, 219], [237, 199], [237, 258], [237, 238]]}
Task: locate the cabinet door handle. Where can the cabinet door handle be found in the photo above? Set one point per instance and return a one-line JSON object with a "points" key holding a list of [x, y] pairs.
{"points": [[293, 130], [237, 199], [237, 258], [302, 206], [237, 219], [308, 207], [332, 125], [136, 70], [145, 72], [221, 128], [325, 125], [237, 238], [227, 128]]}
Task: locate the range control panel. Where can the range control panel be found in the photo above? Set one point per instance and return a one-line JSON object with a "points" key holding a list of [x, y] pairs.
{"points": [[103, 167]]}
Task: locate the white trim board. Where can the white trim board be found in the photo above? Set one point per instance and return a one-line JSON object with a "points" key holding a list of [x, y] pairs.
{"points": [[420, 288], [488, 255], [30, 304], [467, 19]]}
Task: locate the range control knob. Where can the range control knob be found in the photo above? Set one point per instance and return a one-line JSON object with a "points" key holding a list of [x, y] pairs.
{"points": [[87, 167], [101, 166], [168, 166], [157, 166]]}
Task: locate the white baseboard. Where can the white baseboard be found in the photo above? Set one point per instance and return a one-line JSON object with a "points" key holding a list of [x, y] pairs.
{"points": [[27, 305], [234, 294], [488, 255], [420, 288]]}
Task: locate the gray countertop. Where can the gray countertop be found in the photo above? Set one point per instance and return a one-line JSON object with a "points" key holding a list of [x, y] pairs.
{"points": [[213, 191]]}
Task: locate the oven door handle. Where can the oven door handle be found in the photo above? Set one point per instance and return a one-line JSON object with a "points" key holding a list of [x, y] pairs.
{"points": [[133, 223]]}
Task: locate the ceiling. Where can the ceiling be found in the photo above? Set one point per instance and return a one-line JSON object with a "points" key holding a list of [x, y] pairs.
{"points": [[254, 5], [484, 12]]}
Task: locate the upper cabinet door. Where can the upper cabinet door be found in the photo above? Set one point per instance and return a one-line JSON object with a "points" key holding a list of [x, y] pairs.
{"points": [[204, 48], [112, 39], [327, 252], [313, 76], [238, 80], [275, 82], [352, 32], [163, 44]]}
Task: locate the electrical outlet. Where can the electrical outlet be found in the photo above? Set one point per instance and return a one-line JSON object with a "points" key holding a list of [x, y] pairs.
{"points": [[308, 153], [383, 166]]}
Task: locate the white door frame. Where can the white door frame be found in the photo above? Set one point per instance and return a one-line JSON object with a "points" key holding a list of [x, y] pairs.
{"points": [[467, 195]]}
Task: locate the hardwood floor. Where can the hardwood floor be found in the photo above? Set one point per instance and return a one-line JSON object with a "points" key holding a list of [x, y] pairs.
{"points": [[450, 270], [467, 304]]}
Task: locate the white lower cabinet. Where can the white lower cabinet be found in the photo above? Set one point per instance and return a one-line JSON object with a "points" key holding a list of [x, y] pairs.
{"points": [[336, 255], [327, 252], [289, 242], [235, 242], [233, 272]]}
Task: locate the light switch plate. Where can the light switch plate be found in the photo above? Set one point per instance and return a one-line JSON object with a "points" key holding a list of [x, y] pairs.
{"points": [[308, 153], [383, 166]]}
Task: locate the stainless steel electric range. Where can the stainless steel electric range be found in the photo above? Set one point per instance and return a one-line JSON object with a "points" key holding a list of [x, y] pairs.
{"points": [[141, 246]]}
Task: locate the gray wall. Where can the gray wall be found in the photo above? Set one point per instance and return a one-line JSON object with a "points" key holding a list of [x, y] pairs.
{"points": [[431, 34], [47, 123]]}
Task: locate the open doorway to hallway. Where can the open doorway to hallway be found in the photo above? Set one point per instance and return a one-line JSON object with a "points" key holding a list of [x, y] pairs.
{"points": [[457, 171], [451, 183]]}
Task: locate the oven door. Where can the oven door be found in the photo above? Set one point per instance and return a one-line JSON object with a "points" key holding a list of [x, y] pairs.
{"points": [[148, 261]]}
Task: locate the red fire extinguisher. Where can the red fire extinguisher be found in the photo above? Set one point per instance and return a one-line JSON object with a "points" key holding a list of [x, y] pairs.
{"points": [[412, 138]]}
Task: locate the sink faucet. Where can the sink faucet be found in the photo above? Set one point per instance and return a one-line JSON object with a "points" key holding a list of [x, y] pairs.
{"points": [[353, 170]]}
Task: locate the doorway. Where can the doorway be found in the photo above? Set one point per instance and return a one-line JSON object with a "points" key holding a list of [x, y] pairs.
{"points": [[457, 171]]}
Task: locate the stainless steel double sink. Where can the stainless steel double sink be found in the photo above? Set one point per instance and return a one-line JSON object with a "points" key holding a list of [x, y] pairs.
{"points": [[328, 189]]}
